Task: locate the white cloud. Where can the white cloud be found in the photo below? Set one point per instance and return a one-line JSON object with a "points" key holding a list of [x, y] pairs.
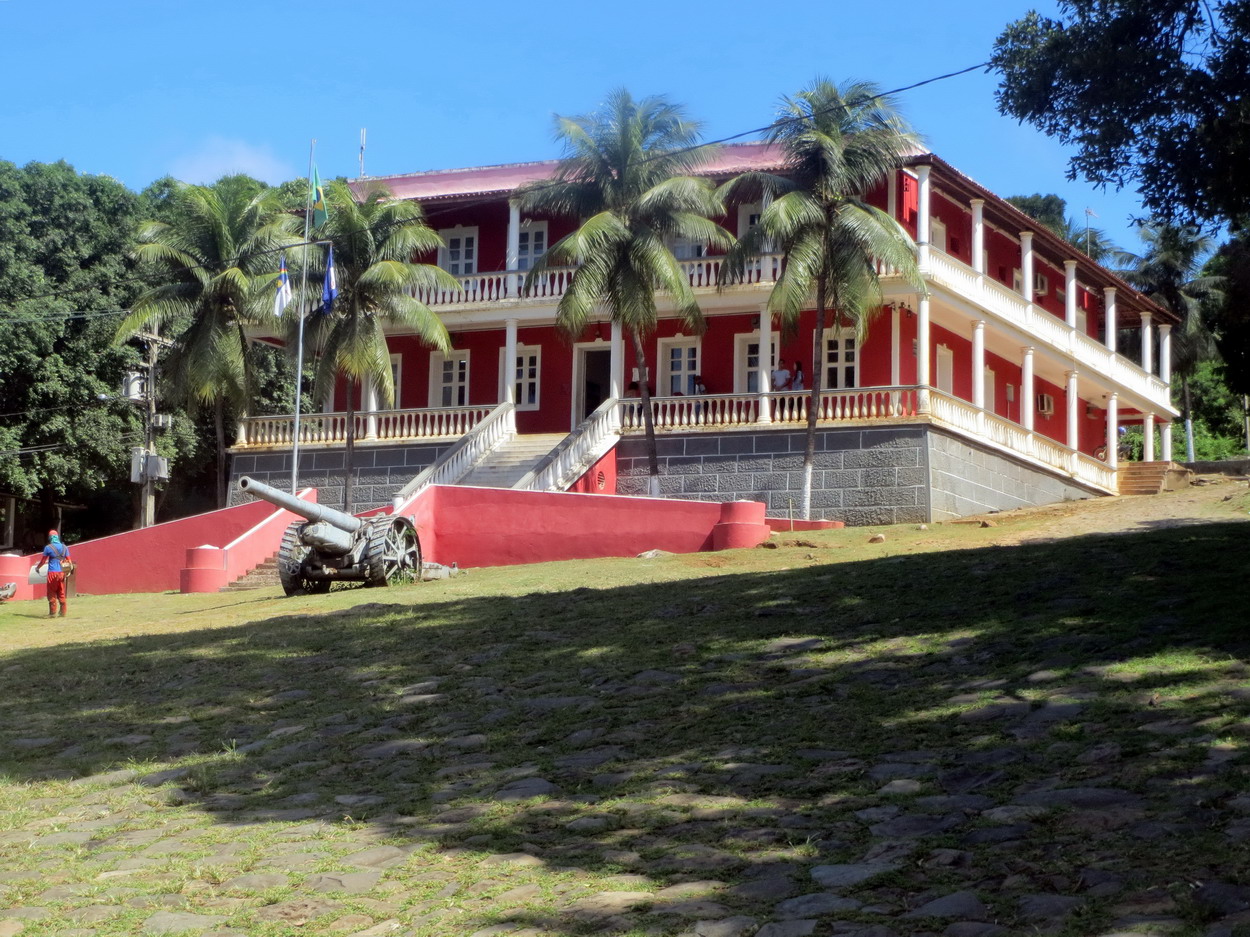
{"points": [[217, 157]]}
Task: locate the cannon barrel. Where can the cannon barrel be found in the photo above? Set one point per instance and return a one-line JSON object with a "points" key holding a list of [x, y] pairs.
{"points": [[306, 509]]}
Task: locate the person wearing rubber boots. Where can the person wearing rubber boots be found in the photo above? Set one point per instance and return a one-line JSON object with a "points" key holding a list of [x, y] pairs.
{"points": [[56, 555]]}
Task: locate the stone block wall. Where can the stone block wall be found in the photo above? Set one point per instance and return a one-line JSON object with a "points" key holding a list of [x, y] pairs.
{"points": [[966, 479], [379, 472], [872, 475]]}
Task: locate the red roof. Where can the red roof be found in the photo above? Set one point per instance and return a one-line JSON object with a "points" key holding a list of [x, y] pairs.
{"points": [[484, 180]]}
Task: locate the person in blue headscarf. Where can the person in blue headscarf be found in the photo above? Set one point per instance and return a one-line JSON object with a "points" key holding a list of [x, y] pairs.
{"points": [[56, 555]]}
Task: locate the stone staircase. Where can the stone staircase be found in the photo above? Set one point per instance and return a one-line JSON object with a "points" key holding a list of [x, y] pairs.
{"points": [[508, 462], [1151, 478], [262, 577]]}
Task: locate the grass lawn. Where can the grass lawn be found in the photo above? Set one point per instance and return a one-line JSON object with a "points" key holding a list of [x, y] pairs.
{"points": [[939, 734]]}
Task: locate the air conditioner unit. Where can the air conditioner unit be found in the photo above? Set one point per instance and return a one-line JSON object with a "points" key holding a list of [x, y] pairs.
{"points": [[1041, 284], [1045, 404]]}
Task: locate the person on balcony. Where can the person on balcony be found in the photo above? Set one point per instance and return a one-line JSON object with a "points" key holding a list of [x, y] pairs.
{"points": [[780, 377], [796, 382]]}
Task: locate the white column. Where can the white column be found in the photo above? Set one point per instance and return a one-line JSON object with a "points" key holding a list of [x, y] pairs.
{"points": [[978, 235], [1165, 441], [922, 353], [1027, 401], [1148, 437], [1108, 302], [1069, 292], [1073, 414], [616, 357], [369, 403], [765, 379], [891, 195], [978, 364], [1147, 344], [922, 217], [509, 361], [1113, 430], [1026, 265], [512, 255], [895, 368], [1165, 355]]}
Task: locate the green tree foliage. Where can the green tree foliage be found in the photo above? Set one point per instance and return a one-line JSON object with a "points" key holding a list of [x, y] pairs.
{"points": [[375, 240], [839, 143], [64, 281], [1230, 319], [214, 262], [1154, 93], [626, 178]]}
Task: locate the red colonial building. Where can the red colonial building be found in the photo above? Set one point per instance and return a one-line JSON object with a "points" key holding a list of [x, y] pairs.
{"points": [[1000, 385]]}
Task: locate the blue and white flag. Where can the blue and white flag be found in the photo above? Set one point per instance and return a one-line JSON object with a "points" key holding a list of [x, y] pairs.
{"points": [[331, 288], [283, 296]]}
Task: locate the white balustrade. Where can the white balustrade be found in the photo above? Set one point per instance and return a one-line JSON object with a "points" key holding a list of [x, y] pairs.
{"points": [[454, 464], [275, 432], [1010, 307], [674, 414]]}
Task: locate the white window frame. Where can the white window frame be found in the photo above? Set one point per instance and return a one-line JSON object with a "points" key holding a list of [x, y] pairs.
{"points": [[743, 373], [1017, 280], [397, 377], [840, 335], [666, 346], [945, 370], [522, 402], [526, 257], [991, 397], [437, 360], [467, 268], [937, 235], [685, 249], [745, 212]]}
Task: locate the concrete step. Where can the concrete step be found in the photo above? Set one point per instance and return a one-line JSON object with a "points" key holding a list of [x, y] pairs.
{"points": [[260, 577], [511, 461]]}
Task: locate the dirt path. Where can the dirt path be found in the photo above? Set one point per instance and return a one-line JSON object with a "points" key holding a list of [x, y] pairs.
{"points": [[1211, 499]]}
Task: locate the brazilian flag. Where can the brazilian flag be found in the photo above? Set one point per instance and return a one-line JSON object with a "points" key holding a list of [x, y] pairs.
{"points": [[317, 198]]}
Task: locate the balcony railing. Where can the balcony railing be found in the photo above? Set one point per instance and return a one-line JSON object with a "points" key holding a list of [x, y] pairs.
{"points": [[330, 429], [1010, 307], [503, 286], [720, 410]]}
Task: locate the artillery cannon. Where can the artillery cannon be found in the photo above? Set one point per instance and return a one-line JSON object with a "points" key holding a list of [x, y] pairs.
{"points": [[329, 546]]}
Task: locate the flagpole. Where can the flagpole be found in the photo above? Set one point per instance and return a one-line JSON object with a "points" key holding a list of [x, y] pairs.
{"points": [[299, 344]]}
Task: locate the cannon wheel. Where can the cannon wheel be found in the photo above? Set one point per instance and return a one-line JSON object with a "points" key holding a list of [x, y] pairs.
{"points": [[394, 551], [291, 556]]}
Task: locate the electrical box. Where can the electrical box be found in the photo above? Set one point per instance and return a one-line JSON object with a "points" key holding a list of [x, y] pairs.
{"points": [[163, 420], [138, 455], [157, 468], [133, 386]]}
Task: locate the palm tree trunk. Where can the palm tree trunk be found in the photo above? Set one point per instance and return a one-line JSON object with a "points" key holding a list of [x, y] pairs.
{"points": [[219, 427], [648, 423], [1189, 422], [813, 404], [350, 447]]}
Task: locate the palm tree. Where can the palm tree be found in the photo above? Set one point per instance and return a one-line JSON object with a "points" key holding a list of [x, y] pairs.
{"points": [[1169, 272], [217, 257], [838, 143], [626, 179], [375, 239]]}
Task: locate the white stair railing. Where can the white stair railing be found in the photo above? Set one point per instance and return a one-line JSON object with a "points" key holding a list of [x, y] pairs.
{"points": [[579, 450], [454, 464]]}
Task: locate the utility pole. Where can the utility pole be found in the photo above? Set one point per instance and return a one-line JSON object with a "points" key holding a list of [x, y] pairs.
{"points": [[149, 468]]}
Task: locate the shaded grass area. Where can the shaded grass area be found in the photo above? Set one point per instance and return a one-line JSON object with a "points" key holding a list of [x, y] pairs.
{"points": [[524, 751]]}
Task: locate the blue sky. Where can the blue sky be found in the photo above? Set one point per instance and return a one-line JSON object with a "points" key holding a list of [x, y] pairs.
{"points": [[137, 89]]}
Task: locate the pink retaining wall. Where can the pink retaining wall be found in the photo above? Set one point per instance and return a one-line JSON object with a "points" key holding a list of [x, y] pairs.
{"points": [[148, 560], [498, 527]]}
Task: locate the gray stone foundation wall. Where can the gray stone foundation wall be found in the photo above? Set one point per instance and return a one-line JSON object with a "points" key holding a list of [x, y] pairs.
{"points": [[966, 479], [873, 475], [379, 471]]}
